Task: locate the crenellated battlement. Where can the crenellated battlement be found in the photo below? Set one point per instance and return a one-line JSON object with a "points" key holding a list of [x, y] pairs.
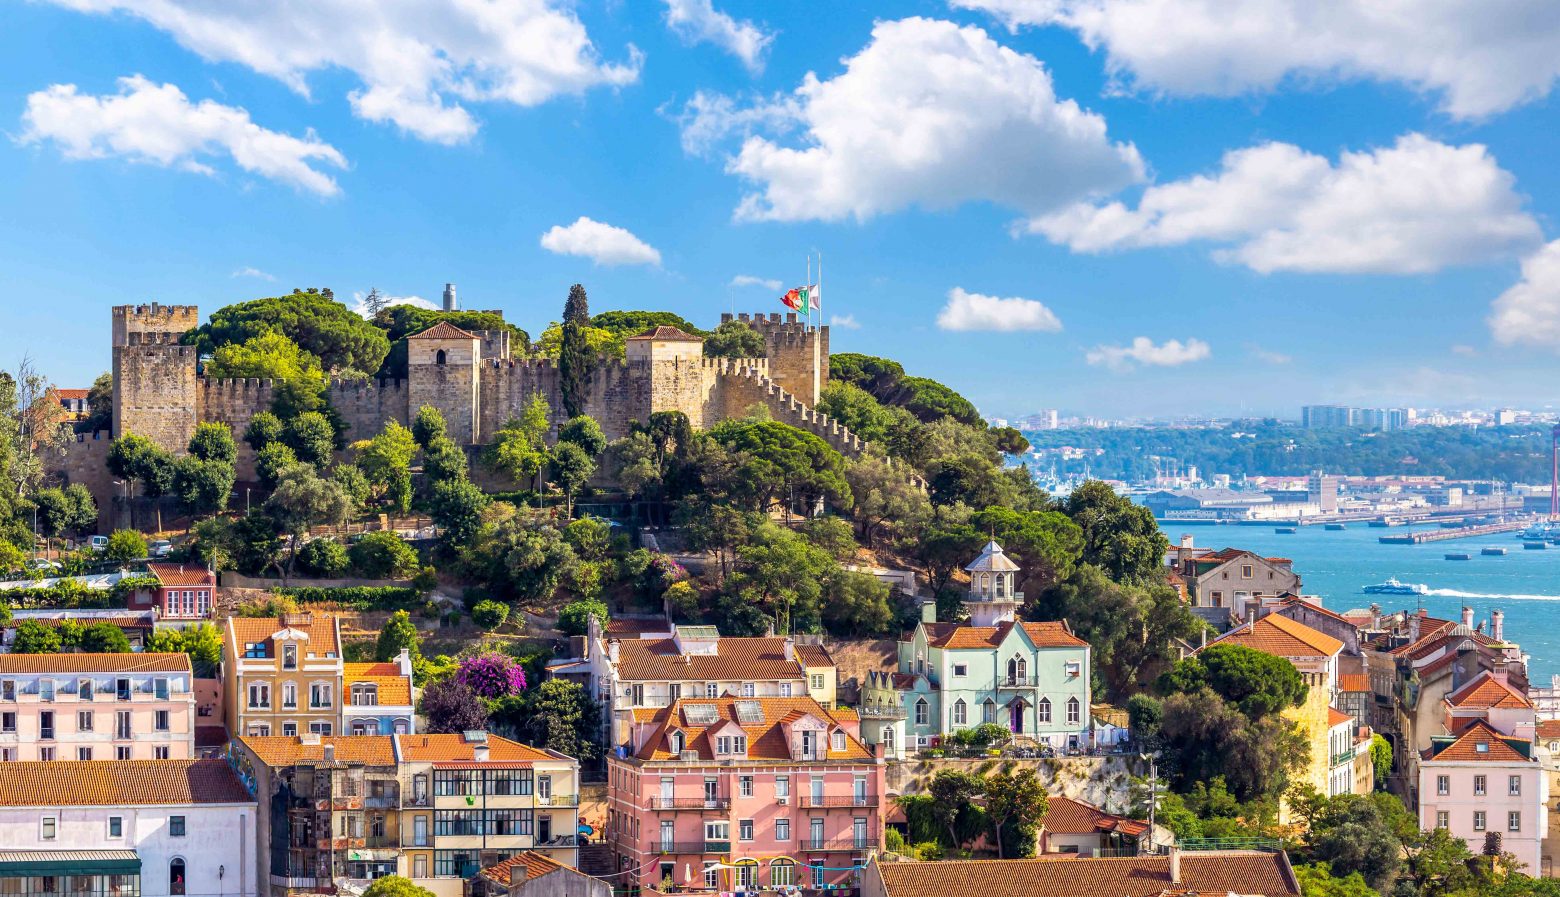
{"points": [[131, 320], [157, 338], [236, 384]]}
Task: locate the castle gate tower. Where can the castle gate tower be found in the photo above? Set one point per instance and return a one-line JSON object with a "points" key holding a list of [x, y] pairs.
{"points": [[155, 390], [441, 371]]}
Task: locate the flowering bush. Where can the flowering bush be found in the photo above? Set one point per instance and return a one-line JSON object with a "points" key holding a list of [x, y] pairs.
{"points": [[491, 675]]}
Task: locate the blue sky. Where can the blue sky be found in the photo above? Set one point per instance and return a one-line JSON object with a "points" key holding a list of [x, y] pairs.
{"points": [[1113, 207]]}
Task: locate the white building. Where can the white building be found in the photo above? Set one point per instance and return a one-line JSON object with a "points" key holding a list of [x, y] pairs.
{"points": [[183, 828]]}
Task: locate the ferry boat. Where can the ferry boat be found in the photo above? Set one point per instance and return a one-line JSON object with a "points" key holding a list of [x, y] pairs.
{"points": [[1393, 587]]}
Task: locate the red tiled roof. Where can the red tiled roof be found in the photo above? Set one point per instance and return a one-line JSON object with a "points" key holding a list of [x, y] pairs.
{"points": [[1283, 637], [525, 866], [1044, 635], [1354, 682], [285, 750], [1481, 744], [1485, 691], [736, 660], [120, 783], [766, 738], [394, 689], [667, 333], [1297, 601], [814, 656], [182, 575], [320, 627], [635, 625], [94, 663], [1205, 872], [1066, 816], [72, 393], [444, 330], [1336, 717], [1548, 728], [440, 749]]}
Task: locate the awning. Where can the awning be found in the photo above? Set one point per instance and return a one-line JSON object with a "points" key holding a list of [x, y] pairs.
{"points": [[26, 863]]}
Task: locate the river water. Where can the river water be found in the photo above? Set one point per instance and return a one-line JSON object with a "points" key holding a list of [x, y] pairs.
{"points": [[1336, 565]]}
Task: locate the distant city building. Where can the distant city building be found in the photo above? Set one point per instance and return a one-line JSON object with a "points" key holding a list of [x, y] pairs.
{"points": [[1317, 417]]}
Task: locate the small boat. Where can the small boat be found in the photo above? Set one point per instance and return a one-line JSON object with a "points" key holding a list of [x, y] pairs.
{"points": [[1492, 552], [1393, 587], [1458, 556], [1336, 527], [1284, 530], [1534, 546]]}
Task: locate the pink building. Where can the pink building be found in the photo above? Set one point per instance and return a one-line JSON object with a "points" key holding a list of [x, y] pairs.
{"points": [[1490, 696], [96, 707], [1482, 783], [744, 793], [183, 592]]}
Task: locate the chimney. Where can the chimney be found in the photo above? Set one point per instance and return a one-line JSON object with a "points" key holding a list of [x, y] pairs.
{"points": [[1175, 865], [1413, 628], [1375, 616], [1186, 540], [403, 662], [612, 650], [479, 753], [1467, 617], [790, 648], [449, 298], [1500, 672], [1498, 625], [330, 753], [929, 612]]}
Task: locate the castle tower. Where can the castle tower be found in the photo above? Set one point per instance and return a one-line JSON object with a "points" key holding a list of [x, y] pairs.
{"points": [[798, 354], [993, 576], [672, 363], [441, 371], [155, 389]]}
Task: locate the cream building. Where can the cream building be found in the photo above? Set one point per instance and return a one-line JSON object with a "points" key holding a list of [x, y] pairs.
{"points": [[283, 675]]}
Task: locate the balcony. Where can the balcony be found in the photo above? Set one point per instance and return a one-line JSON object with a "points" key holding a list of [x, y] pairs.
{"points": [[828, 844], [808, 801], [557, 841], [1345, 757], [690, 803], [387, 802], [1018, 682], [690, 848], [414, 840], [558, 800], [418, 801], [881, 711]]}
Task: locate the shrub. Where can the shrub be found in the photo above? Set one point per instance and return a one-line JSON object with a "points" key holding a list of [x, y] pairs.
{"points": [[929, 850], [354, 597], [383, 555], [324, 557], [125, 545], [491, 675], [426, 580], [682, 601], [575, 616], [489, 614]]}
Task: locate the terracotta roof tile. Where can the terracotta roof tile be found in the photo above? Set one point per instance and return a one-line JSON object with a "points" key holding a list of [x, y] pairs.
{"points": [[621, 626], [524, 867], [1206, 872], [814, 656], [766, 738], [1354, 682], [1044, 635], [72, 393], [1065, 816], [439, 749], [737, 660], [1481, 744], [1485, 691], [182, 574], [444, 330], [1282, 637], [285, 750], [1336, 717], [1548, 728], [394, 689], [94, 663], [120, 783], [667, 333], [319, 627]]}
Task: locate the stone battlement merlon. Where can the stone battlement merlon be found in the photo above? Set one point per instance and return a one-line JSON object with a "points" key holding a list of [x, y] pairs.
{"points": [[158, 340], [774, 322]]}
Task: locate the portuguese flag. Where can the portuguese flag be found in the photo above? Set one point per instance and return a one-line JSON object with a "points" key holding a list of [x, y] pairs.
{"points": [[803, 299]]}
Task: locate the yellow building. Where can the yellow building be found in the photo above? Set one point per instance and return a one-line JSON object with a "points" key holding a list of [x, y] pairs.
{"points": [[283, 675], [823, 678]]}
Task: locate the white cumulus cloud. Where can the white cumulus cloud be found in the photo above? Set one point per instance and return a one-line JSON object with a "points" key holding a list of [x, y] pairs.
{"points": [[256, 273], [601, 243], [708, 119], [416, 61], [928, 114], [1417, 206], [698, 20], [1142, 350], [748, 280], [1529, 312], [1478, 58], [845, 322], [157, 124], [974, 311]]}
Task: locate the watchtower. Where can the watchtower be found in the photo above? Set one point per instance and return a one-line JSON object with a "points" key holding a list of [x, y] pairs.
{"points": [[798, 353], [671, 363], [441, 372], [155, 389]]}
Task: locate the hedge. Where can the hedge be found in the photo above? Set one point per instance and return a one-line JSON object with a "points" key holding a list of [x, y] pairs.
{"points": [[68, 594], [359, 597]]}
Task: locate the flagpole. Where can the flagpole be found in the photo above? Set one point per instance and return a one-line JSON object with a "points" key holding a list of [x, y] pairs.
{"points": [[805, 283], [820, 287]]}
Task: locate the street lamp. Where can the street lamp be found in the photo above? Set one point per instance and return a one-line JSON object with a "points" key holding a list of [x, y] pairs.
{"points": [[1153, 794]]}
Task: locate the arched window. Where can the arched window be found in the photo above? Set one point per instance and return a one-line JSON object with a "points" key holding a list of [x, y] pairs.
{"points": [[439, 357], [1043, 710], [176, 877], [988, 711], [782, 874], [888, 739], [960, 713], [920, 711], [985, 582], [1074, 711], [1001, 580]]}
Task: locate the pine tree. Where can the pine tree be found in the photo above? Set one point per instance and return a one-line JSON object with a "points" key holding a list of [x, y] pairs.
{"points": [[375, 302], [574, 359]]}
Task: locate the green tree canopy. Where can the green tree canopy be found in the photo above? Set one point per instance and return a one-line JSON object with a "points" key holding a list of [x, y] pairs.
{"points": [[35, 637], [302, 499], [213, 442], [571, 469], [625, 324], [386, 461], [104, 638], [565, 719], [300, 380], [398, 632], [1119, 537], [383, 555], [780, 464], [1015, 801], [338, 337], [1257, 683], [584, 432], [395, 886], [124, 546], [428, 427], [734, 339], [576, 359]]}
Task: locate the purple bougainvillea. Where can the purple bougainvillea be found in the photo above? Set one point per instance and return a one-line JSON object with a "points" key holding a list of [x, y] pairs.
{"points": [[492, 675]]}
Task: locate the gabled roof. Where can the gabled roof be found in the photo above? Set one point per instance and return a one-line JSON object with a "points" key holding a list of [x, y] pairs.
{"points": [[444, 330], [286, 750], [667, 333], [455, 749], [94, 663], [1485, 691], [1336, 717], [1282, 637], [1209, 872], [1548, 728], [1045, 635], [736, 660], [182, 574], [992, 560], [119, 783], [814, 656], [1065, 816], [766, 734], [525, 866], [1481, 743], [395, 690], [319, 627]]}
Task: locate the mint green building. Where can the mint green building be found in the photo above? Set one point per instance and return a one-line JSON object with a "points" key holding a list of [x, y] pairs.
{"points": [[1032, 678]]}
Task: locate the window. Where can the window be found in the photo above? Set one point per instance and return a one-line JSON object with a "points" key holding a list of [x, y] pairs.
{"points": [[319, 695], [319, 728], [1514, 785], [920, 711], [731, 744], [83, 753], [45, 689], [675, 692], [1218, 599], [122, 752], [749, 689], [160, 689], [259, 694], [1074, 711], [176, 877], [712, 689], [1074, 669], [1478, 820], [84, 689], [717, 831], [8, 690], [289, 657], [160, 720], [782, 874], [782, 829], [1479, 786], [1043, 710], [785, 689], [711, 874], [839, 741], [1443, 785], [50, 829], [160, 752], [289, 696], [745, 786], [1245, 571], [988, 711], [1442, 819], [176, 826], [440, 357], [7, 722], [83, 721], [782, 786], [676, 739], [1514, 821], [960, 713], [46, 753], [961, 669], [121, 724], [745, 830], [815, 831], [46, 724], [815, 681], [116, 826]]}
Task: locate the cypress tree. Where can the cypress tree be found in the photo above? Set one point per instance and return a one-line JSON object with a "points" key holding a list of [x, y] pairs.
{"points": [[574, 360]]}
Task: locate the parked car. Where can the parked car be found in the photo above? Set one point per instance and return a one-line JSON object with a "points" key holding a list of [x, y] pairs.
{"points": [[99, 543], [161, 548]]}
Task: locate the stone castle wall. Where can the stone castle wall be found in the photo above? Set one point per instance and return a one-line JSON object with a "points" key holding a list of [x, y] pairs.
{"points": [[798, 353]]}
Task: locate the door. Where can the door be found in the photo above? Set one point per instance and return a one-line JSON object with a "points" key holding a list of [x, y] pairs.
{"points": [[420, 832], [859, 791], [1016, 716], [544, 830], [668, 784], [544, 789], [668, 837], [817, 791]]}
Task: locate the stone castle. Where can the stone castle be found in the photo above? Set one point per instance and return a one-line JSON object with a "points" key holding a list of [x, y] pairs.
{"points": [[471, 377]]}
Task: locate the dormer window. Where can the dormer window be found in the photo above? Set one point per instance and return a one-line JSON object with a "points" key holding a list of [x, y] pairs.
{"points": [[839, 741], [365, 694], [677, 741], [731, 744], [289, 657]]}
